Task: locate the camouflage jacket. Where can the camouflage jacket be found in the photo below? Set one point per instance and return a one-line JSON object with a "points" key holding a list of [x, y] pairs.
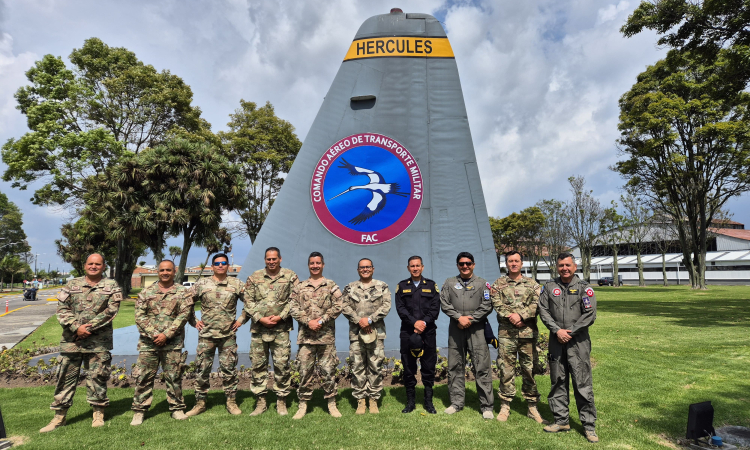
{"points": [[373, 301], [520, 297], [218, 305], [269, 296], [80, 304], [159, 312], [310, 302]]}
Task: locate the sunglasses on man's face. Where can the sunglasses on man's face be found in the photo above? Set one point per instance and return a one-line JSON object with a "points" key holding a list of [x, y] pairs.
{"points": [[465, 264], [220, 263]]}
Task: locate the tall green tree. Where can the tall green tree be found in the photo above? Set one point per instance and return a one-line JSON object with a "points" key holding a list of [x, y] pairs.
{"points": [[520, 232], [12, 236], [83, 119], [198, 184], [702, 27], [174, 252], [264, 147], [684, 138], [80, 239], [584, 214]]}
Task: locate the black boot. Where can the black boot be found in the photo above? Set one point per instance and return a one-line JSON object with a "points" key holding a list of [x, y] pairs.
{"points": [[428, 406], [410, 400]]}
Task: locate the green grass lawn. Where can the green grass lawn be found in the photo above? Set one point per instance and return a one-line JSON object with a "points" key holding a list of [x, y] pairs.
{"points": [[656, 350], [48, 334]]}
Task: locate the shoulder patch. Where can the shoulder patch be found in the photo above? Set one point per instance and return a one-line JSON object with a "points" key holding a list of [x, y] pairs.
{"points": [[556, 292], [589, 292]]}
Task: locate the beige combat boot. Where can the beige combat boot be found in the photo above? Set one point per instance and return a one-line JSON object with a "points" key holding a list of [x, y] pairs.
{"points": [[534, 414], [232, 407], [260, 406], [374, 406], [57, 422], [361, 406], [200, 407], [281, 406], [302, 410], [332, 409], [137, 418], [179, 415], [502, 416], [98, 417]]}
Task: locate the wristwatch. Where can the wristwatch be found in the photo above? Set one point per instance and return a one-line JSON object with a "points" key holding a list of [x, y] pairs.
{"points": [[369, 321]]}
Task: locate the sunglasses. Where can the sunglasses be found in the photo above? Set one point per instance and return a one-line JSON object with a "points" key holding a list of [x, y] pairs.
{"points": [[465, 264], [365, 267], [221, 263]]}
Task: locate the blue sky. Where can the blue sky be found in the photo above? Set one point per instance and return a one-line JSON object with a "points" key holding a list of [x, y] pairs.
{"points": [[541, 79]]}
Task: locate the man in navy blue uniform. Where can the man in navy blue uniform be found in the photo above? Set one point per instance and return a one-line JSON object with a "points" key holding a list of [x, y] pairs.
{"points": [[418, 306]]}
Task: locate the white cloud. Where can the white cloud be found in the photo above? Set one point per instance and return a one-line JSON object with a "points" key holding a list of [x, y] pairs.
{"points": [[12, 69]]}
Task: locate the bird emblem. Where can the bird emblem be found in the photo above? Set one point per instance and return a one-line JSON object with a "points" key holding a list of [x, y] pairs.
{"points": [[378, 189]]}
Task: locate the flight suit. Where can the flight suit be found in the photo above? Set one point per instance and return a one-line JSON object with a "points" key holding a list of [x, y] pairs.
{"points": [[414, 303], [572, 307], [468, 298]]}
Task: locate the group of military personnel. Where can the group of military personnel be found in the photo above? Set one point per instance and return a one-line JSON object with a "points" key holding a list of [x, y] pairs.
{"points": [[274, 296]]}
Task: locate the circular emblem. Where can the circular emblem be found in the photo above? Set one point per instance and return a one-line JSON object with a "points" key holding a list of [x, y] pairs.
{"points": [[366, 189], [556, 292]]}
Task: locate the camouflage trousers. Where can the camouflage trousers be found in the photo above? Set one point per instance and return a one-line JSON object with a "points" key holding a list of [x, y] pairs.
{"points": [[325, 355], [526, 349], [98, 367], [281, 350], [207, 347], [367, 368], [171, 362]]}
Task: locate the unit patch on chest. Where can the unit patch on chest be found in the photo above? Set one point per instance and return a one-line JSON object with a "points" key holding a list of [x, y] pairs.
{"points": [[556, 292]]}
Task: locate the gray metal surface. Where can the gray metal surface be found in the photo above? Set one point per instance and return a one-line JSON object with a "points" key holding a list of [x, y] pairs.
{"points": [[419, 103]]}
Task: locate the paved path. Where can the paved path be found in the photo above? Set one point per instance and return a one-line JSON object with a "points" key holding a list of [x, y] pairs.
{"points": [[23, 317]]}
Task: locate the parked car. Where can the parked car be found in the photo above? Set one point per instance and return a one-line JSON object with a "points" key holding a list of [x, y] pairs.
{"points": [[610, 281], [188, 283]]}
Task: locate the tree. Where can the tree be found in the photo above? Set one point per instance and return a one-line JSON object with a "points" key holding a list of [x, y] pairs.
{"points": [[584, 214], [202, 185], [554, 232], [82, 238], [82, 120], [520, 232], [663, 232], [264, 146], [12, 264], [611, 234], [701, 27], [12, 236], [684, 135], [174, 251], [637, 222]]}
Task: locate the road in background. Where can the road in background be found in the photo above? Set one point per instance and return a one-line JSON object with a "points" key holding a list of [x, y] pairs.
{"points": [[24, 316]]}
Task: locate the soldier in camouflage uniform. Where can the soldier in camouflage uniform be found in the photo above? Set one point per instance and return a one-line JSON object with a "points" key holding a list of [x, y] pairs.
{"points": [[316, 302], [366, 303], [217, 331], [161, 312], [85, 309], [267, 293], [515, 298]]}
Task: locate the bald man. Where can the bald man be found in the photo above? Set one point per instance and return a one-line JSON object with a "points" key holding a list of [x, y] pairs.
{"points": [[86, 307]]}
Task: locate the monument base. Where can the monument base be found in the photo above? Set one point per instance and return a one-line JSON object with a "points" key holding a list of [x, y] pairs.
{"points": [[711, 447]]}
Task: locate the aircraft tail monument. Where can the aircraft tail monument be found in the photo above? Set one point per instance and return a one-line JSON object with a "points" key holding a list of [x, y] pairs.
{"points": [[387, 169]]}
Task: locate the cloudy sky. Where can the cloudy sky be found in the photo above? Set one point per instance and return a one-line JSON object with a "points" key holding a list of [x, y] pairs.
{"points": [[541, 78]]}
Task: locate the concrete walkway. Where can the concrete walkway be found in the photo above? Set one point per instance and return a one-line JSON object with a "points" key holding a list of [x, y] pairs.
{"points": [[23, 317]]}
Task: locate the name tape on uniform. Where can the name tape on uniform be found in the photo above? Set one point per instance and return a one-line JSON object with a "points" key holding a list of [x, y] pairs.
{"points": [[400, 46]]}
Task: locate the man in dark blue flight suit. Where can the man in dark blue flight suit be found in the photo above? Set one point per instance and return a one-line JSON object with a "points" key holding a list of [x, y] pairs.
{"points": [[418, 306]]}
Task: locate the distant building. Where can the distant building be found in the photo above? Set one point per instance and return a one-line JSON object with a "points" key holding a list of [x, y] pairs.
{"points": [[147, 275]]}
